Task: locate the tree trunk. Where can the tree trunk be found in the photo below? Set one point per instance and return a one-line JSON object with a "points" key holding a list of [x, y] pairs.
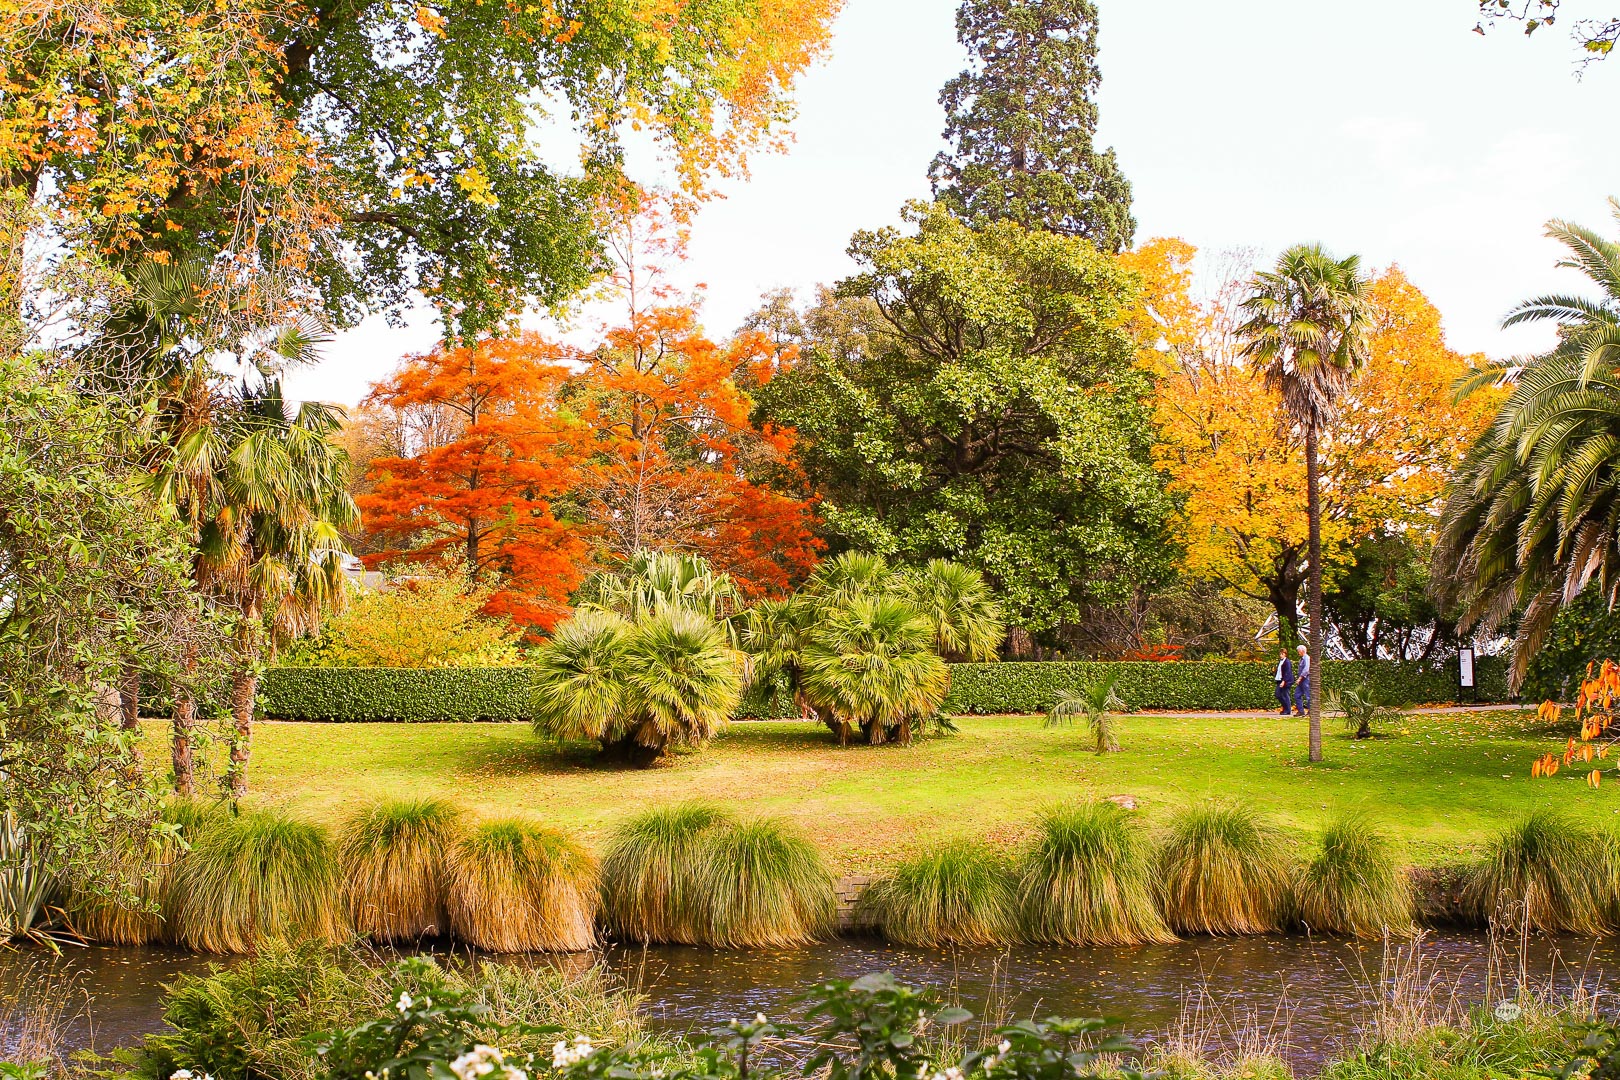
{"points": [[244, 685], [185, 723], [129, 699], [1285, 602], [1314, 510]]}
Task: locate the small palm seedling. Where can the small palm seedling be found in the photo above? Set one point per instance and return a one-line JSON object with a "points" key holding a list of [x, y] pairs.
{"points": [[148, 865], [394, 860], [516, 887], [1546, 873], [650, 889], [257, 878], [1086, 879], [1223, 871], [1354, 887], [1096, 703], [1361, 709], [765, 887], [957, 893]]}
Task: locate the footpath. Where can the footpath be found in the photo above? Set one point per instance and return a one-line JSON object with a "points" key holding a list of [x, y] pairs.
{"points": [[1257, 714]]}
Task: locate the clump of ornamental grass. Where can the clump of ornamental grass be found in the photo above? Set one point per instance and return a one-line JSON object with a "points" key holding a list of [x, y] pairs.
{"points": [[1222, 870], [517, 887], [957, 893], [650, 891], [393, 856], [765, 886], [255, 878], [1086, 879], [147, 864], [1354, 887], [1546, 873]]}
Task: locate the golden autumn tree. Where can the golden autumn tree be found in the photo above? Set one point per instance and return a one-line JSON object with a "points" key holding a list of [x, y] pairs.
{"points": [[1239, 473]]}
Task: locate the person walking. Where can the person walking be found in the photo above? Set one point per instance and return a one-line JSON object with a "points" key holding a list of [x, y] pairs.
{"points": [[1283, 677], [1302, 684]]}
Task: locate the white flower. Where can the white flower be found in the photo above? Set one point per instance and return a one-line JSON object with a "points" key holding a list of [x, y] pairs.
{"points": [[565, 1054], [182, 1074], [1003, 1046], [759, 1018], [480, 1061], [404, 1001]]}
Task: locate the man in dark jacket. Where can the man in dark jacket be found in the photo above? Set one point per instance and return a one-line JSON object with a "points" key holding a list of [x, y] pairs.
{"points": [[1283, 679]]}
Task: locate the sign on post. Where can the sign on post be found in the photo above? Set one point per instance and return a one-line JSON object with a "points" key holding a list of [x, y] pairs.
{"points": [[1465, 674]]}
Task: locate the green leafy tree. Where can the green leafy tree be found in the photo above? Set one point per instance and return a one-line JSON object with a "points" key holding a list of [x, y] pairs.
{"points": [[1022, 119], [1383, 606], [972, 395], [1307, 328]]}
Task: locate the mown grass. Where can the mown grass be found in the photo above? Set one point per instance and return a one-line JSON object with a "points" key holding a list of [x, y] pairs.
{"points": [[1439, 791]]}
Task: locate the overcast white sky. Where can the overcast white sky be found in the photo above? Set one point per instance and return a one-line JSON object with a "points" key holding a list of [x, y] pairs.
{"points": [[1383, 127]]}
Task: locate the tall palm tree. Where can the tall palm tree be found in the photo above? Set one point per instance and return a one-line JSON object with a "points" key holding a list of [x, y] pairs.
{"points": [[1533, 515], [1307, 330]]}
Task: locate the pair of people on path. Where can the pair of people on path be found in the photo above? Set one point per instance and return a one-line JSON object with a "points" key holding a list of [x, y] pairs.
{"points": [[1293, 682]]}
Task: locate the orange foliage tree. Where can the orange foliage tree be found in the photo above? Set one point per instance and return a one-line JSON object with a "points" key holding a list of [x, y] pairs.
{"points": [[1597, 711], [1239, 473]]}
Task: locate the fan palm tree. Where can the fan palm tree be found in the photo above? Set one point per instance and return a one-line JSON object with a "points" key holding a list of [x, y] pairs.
{"points": [[870, 664], [849, 575], [578, 677], [774, 634], [1095, 702], [651, 581], [1533, 515], [1306, 332], [960, 607]]}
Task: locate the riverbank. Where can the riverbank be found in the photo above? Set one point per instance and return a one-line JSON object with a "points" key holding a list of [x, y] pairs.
{"points": [[1437, 784]]}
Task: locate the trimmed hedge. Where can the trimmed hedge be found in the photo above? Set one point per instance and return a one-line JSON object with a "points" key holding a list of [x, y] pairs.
{"points": [[429, 694]]}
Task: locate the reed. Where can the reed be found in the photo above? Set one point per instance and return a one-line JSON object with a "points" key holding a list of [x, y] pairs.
{"points": [[1222, 870], [650, 891], [1354, 887], [1085, 879], [393, 856], [256, 878], [1546, 873], [765, 886], [517, 887], [957, 893]]}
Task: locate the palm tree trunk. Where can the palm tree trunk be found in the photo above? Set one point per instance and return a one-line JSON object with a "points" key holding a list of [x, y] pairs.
{"points": [[244, 685], [184, 723], [1314, 509], [129, 698]]}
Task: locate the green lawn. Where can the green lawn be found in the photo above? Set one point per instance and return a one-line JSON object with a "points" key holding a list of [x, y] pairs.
{"points": [[1441, 786]]}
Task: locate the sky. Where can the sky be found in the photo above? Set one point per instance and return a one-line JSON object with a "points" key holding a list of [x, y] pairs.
{"points": [[1384, 127]]}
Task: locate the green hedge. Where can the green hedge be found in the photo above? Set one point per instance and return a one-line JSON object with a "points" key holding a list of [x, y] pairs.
{"points": [[423, 694]]}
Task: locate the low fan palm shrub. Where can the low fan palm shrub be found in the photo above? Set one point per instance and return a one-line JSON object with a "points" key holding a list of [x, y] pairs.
{"points": [[1547, 873], [1096, 703], [957, 893], [869, 665], [1354, 887], [394, 857], [257, 878], [149, 867], [650, 889], [960, 606], [764, 886], [517, 887], [1086, 879], [1223, 871]]}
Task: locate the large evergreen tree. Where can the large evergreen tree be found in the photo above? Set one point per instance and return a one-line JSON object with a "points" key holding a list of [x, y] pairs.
{"points": [[1021, 120]]}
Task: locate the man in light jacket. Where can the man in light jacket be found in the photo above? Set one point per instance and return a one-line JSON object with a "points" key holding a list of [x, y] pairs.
{"points": [[1283, 678], [1302, 684]]}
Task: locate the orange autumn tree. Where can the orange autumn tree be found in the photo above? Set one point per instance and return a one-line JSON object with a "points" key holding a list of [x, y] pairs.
{"points": [[1240, 475], [478, 487]]}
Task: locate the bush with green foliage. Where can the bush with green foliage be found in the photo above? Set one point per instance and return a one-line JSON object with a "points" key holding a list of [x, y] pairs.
{"points": [[421, 621], [959, 892], [764, 886], [1087, 879], [1224, 870]]}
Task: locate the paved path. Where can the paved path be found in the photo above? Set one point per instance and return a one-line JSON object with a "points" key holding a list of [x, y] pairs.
{"points": [[1256, 714]]}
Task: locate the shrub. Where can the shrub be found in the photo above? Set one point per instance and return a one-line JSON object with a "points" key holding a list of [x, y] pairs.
{"points": [[402, 694], [394, 858], [1086, 880], [1223, 871], [957, 893], [423, 621], [150, 869], [253, 879], [870, 665], [650, 890], [516, 887], [765, 886], [1353, 887], [1547, 873]]}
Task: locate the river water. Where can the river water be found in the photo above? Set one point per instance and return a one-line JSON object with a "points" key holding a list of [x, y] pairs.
{"points": [[1304, 997]]}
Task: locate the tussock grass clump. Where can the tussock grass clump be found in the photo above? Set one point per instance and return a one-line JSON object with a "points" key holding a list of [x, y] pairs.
{"points": [[650, 891], [394, 857], [957, 893], [517, 887], [1222, 870], [148, 865], [255, 878], [765, 886], [1354, 887], [1548, 873], [1086, 880]]}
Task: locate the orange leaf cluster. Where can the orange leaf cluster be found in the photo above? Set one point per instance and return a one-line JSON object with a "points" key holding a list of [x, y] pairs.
{"points": [[1595, 711]]}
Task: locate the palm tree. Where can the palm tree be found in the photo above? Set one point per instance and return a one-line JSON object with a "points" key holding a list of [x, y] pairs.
{"points": [[1307, 334], [960, 607], [578, 677], [870, 664], [1533, 515], [847, 576], [651, 581], [1095, 702], [773, 635]]}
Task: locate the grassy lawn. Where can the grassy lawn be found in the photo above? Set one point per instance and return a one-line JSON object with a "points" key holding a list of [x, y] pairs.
{"points": [[1441, 785]]}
